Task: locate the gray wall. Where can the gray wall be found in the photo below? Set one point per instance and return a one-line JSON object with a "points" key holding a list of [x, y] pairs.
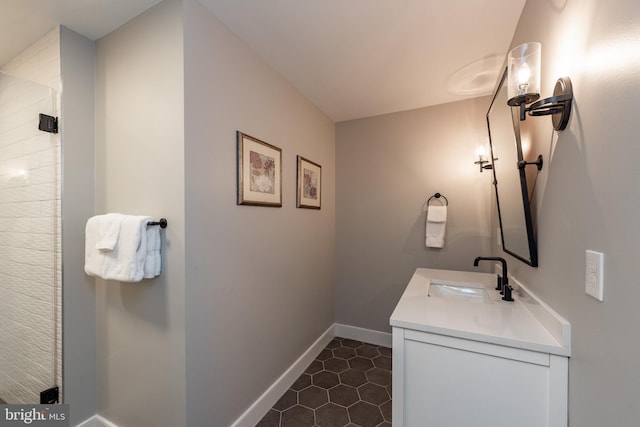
{"points": [[260, 280], [140, 170], [386, 169], [587, 198], [77, 60]]}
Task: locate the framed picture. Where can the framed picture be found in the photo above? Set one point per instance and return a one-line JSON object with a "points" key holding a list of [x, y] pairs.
{"points": [[309, 184], [259, 172]]}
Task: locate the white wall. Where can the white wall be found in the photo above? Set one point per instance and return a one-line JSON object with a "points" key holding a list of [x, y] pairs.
{"points": [[140, 170], [387, 168], [587, 197], [260, 280], [30, 263]]}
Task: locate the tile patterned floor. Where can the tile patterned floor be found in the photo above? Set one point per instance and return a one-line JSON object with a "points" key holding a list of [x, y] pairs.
{"points": [[347, 385]]}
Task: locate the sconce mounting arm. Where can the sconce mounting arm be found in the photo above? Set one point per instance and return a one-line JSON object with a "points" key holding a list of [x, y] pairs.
{"points": [[523, 163], [558, 105]]}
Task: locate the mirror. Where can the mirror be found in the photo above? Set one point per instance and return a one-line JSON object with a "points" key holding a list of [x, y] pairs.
{"points": [[512, 195]]}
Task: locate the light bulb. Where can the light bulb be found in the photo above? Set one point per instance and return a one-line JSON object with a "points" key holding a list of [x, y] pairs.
{"points": [[524, 74]]}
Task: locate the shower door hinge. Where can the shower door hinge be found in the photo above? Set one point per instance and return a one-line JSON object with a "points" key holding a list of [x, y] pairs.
{"points": [[48, 123], [50, 395]]}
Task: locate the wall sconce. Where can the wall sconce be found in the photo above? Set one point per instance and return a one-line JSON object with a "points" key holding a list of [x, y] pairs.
{"points": [[480, 152], [524, 87]]}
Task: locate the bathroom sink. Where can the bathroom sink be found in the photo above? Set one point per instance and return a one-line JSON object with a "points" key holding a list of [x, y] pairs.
{"points": [[469, 292]]}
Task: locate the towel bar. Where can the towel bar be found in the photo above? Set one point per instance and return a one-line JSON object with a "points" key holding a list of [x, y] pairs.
{"points": [[162, 223]]}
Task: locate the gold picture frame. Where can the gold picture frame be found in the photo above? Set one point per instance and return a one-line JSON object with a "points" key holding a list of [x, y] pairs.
{"points": [[259, 172], [309, 179]]}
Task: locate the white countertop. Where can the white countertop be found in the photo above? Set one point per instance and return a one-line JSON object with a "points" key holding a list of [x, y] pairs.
{"points": [[515, 324]]}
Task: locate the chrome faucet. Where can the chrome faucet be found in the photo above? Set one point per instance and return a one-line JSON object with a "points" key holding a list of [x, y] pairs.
{"points": [[506, 288]]}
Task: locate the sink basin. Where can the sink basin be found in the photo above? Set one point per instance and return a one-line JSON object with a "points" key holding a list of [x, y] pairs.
{"points": [[459, 291]]}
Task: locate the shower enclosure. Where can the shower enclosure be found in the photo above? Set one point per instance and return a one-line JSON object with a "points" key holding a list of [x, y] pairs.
{"points": [[30, 271]]}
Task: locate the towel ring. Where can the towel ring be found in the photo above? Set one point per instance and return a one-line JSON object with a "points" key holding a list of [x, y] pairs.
{"points": [[437, 196]]}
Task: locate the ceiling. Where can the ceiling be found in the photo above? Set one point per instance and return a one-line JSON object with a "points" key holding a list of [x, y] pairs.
{"points": [[351, 58], [23, 22]]}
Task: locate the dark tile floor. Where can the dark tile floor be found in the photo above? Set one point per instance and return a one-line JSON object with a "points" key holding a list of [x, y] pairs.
{"points": [[348, 384]]}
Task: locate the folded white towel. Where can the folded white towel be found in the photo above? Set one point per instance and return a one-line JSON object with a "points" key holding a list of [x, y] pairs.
{"points": [[108, 230], [126, 261], [437, 214], [435, 226], [152, 264], [156, 253]]}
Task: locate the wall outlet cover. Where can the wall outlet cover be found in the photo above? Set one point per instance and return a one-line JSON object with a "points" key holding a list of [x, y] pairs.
{"points": [[594, 267]]}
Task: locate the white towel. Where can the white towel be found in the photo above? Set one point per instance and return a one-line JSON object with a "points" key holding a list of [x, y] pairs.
{"points": [[435, 226], [126, 261], [108, 230], [152, 264]]}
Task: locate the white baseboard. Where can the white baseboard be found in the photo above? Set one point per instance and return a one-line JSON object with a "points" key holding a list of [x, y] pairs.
{"points": [[360, 334], [266, 401], [96, 421], [260, 407]]}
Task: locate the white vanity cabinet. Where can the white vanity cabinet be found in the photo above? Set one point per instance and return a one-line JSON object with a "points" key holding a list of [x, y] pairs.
{"points": [[462, 364], [443, 381]]}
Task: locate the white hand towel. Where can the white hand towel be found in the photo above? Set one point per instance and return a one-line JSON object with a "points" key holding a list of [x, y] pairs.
{"points": [[435, 226], [92, 255], [108, 230], [125, 263], [437, 214]]}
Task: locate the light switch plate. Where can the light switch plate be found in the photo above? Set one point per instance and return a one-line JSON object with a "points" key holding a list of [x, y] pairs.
{"points": [[594, 284]]}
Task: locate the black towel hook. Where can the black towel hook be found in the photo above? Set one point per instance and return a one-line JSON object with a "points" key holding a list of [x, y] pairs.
{"points": [[162, 223], [437, 196]]}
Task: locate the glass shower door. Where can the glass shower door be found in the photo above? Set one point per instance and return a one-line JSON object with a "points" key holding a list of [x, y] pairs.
{"points": [[30, 295]]}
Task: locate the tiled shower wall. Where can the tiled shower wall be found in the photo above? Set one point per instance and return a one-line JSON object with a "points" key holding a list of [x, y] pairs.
{"points": [[30, 250]]}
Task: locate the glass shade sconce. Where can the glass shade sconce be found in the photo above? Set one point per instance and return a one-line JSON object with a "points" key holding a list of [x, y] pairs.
{"points": [[523, 87], [482, 159]]}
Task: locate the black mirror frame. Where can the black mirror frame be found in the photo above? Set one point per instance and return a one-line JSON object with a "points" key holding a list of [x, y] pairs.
{"points": [[531, 237]]}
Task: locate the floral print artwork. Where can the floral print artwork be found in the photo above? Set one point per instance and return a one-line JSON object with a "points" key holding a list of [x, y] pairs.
{"points": [[310, 188], [263, 175], [309, 184]]}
